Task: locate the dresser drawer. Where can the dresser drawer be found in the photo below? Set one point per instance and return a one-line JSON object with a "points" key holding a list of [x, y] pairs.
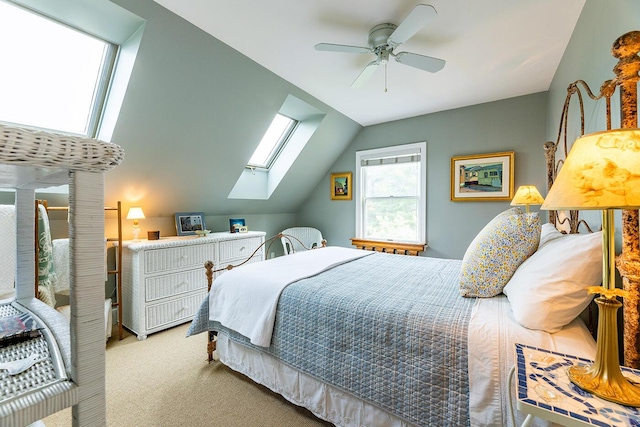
{"points": [[160, 260], [240, 248], [158, 287], [173, 311]]}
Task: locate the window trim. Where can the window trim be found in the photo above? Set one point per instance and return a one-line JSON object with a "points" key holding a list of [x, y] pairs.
{"points": [[278, 146], [390, 151], [101, 92], [104, 78]]}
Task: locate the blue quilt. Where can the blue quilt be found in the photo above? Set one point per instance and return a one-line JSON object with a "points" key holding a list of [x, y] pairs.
{"points": [[389, 329]]}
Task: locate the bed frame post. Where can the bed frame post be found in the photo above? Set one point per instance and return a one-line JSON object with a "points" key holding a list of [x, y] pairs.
{"points": [[211, 344], [626, 49], [550, 156]]}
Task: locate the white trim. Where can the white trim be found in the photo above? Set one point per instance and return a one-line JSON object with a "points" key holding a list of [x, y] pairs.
{"points": [[397, 150]]}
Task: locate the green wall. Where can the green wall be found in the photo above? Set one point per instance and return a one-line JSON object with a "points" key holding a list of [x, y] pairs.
{"points": [[588, 57], [521, 124], [516, 124], [194, 111]]}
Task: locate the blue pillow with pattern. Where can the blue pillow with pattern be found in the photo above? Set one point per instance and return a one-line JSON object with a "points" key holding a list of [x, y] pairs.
{"points": [[497, 251]]}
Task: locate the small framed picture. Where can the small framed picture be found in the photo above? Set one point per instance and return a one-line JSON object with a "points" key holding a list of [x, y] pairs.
{"points": [[235, 224], [188, 222], [341, 186], [482, 177]]}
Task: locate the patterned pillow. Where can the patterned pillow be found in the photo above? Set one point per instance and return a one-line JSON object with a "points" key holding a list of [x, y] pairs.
{"points": [[46, 269], [497, 251]]}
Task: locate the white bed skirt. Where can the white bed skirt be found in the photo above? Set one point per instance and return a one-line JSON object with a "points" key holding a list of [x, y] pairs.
{"points": [[326, 402], [492, 334]]}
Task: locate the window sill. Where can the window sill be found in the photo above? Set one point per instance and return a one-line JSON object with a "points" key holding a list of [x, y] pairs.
{"points": [[389, 247]]}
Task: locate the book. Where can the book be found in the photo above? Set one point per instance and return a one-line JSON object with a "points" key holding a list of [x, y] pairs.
{"points": [[17, 327]]}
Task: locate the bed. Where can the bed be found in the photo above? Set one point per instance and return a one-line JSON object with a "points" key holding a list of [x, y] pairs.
{"points": [[377, 348], [377, 339]]}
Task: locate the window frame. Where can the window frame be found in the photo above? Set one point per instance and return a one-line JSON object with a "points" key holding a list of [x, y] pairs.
{"points": [[278, 146], [103, 79], [391, 151]]}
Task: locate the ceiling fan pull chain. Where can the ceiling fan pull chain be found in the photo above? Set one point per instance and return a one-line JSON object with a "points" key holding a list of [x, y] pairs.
{"points": [[385, 77]]}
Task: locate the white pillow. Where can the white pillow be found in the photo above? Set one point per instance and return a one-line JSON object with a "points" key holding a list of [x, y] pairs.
{"points": [[548, 232], [497, 251], [549, 289]]}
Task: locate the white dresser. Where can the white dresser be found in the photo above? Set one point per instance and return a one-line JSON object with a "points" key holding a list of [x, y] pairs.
{"points": [[164, 281]]}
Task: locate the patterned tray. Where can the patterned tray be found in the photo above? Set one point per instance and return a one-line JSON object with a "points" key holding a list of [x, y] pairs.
{"points": [[41, 374], [543, 383]]}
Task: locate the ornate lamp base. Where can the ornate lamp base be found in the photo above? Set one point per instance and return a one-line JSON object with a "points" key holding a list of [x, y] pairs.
{"points": [[604, 377]]}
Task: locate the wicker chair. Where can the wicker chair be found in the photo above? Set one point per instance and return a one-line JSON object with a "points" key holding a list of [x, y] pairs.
{"points": [[301, 239]]}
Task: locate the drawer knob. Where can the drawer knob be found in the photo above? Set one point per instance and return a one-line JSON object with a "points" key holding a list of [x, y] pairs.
{"points": [[242, 249], [181, 284]]}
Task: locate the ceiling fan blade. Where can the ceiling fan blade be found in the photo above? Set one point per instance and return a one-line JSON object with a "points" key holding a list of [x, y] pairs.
{"points": [[342, 48], [426, 63], [366, 74], [414, 22]]}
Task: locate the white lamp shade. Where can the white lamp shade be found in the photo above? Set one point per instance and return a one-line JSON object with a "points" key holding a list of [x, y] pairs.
{"points": [[602, 171], [527, 195], [135, 212]]}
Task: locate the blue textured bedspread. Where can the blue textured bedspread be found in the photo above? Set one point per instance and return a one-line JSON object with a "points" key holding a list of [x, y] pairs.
{"points": [[389, 329]]}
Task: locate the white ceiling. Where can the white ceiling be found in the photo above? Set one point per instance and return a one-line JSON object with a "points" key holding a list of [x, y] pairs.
{"points": [[495, 49]]}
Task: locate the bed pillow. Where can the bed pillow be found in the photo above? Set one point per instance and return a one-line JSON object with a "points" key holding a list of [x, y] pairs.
{"points": [[549, 289], [497, 251], [548, 232]]}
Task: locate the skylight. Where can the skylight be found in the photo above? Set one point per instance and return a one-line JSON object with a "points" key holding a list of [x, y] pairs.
{"points": [[272, 142], [58, 76]]}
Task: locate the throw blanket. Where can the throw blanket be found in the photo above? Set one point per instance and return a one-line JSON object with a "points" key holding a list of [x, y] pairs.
{"points": [[390, 329], [245, 299]]}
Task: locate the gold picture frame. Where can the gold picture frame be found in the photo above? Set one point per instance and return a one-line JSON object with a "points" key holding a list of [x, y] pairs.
{"points": [[482, 177], [341, 186]]}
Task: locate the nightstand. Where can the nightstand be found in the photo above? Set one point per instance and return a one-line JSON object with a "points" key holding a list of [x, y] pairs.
{"points": [[544, 391]]}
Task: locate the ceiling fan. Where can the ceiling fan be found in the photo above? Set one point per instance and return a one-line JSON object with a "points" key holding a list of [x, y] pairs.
{"points": [[384, 38]]}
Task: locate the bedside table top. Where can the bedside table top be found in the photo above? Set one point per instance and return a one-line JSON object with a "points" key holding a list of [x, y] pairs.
{"points": [[545, 391]]}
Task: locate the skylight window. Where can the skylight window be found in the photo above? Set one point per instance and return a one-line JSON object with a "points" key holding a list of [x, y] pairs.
{"points": [[272, 142], [55, 77]]}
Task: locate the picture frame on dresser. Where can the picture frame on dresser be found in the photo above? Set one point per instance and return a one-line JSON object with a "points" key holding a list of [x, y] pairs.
{"points": [[235, 224], [187, 223]]}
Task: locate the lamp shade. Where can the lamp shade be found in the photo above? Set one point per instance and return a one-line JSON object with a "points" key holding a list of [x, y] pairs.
{"points": [[527, 195], [135, 212], [602, 171]]}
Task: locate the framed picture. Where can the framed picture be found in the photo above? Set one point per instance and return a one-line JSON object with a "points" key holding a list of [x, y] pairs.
{"points": [[188, 222], [235, 224], [341, 186], [482, 177]]}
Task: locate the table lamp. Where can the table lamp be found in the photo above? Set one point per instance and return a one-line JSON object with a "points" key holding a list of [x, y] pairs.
{"points": [[527, 195], [135, 213], [602, 172]]}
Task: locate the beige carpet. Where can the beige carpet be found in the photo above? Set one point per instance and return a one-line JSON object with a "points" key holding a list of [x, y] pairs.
{"points": [[165, 380]]}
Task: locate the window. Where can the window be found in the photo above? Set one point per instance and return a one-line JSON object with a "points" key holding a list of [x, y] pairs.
{"points": [[54, 77], [391, 193], [272, 142]]}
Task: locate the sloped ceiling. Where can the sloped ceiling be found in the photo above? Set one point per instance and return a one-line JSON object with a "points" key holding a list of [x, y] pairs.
{"points": [[495, 49]]}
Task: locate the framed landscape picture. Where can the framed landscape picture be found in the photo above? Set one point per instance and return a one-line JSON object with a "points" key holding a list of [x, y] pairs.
{"points": [[188, 222], [482, 177], [341, 186]]}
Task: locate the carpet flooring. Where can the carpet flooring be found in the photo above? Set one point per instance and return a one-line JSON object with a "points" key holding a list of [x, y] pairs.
{"points": [[165, 380]]}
